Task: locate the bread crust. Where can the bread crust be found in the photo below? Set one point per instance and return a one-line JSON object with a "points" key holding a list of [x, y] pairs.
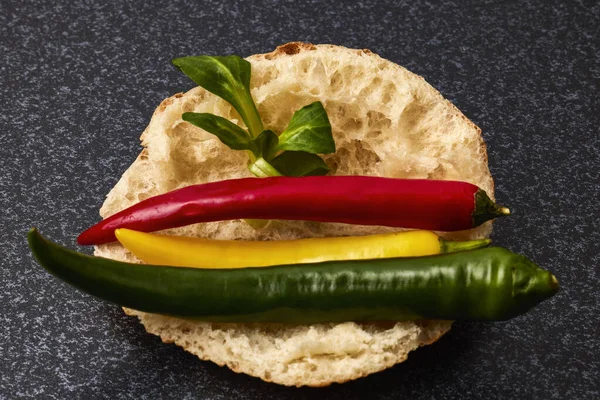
{"points": [[176, 154]]}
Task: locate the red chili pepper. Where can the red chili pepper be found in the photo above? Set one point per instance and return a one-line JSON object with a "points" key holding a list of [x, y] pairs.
{"points": [[360, 200]]}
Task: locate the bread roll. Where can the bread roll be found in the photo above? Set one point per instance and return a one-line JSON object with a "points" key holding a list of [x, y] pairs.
{"points": [[386, 121]]}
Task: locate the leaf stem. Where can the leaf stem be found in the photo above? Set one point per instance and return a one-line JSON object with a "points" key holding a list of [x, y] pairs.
{"points": [[250, 114], [262, 169]]}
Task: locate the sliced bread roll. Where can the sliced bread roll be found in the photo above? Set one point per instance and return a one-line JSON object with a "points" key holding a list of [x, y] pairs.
{"points": [[386, 121]]}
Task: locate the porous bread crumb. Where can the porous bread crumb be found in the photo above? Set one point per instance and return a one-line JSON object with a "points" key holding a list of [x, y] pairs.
{"points": [[386, 121], [315, 355]]}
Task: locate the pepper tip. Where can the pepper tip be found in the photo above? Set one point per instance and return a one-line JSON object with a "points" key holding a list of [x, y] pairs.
{"points": [[33, 232], [81, 240]]}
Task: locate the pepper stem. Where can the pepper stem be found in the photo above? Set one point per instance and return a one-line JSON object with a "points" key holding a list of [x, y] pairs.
{"points": [[553, 283], [448, 246], [486, 209]]}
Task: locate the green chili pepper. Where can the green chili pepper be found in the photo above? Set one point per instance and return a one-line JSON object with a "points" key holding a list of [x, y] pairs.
{"points": [[483, 284]]}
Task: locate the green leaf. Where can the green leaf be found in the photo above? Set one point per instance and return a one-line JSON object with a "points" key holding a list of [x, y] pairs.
{"points": [[299, 163], [227, 132], [309, 131], [229, 78], [265, 145]]}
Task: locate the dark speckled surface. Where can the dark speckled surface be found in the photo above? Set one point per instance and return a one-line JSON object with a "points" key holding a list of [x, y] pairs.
{"points": [[80, 79]]}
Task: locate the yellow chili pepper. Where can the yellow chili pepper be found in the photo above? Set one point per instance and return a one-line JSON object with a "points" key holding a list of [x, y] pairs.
{"points": [[207, 253]]}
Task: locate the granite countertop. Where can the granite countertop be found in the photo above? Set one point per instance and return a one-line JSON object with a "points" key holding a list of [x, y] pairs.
{"points": [[79, 81]]}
